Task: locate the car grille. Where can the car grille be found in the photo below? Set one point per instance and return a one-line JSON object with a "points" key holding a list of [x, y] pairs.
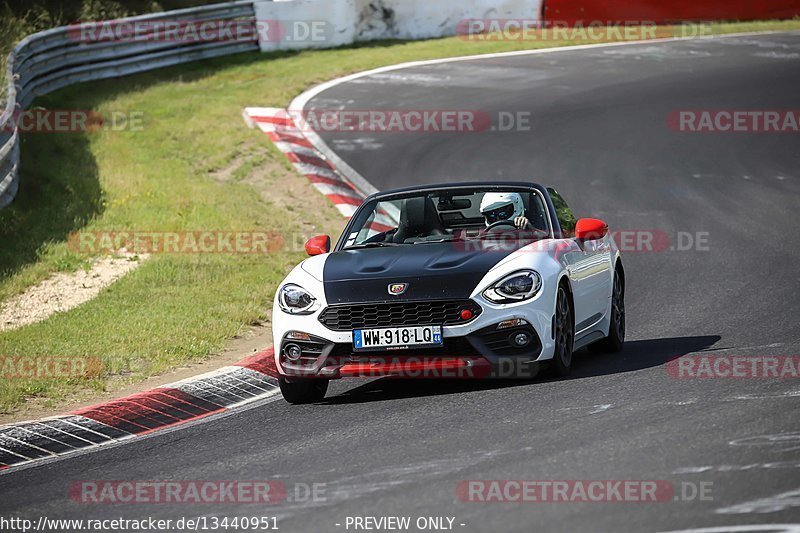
{"points": [[385, 315]]}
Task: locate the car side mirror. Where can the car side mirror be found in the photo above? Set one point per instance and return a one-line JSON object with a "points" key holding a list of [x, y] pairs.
{"points": [[590, 229], [321, 244]]}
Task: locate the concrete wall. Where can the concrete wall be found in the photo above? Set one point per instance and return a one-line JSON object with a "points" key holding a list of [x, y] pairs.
{"points": [[421, 19], [294, 24]]}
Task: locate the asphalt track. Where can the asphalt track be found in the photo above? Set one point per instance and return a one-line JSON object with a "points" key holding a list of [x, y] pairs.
{"points": [[599, 134]]}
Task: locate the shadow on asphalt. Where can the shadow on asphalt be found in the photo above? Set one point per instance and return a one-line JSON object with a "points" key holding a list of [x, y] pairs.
{"points": [[637, 355]]}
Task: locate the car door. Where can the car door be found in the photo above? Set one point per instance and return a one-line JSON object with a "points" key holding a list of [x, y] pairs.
{"points": [[588, 268], [596, 269]]}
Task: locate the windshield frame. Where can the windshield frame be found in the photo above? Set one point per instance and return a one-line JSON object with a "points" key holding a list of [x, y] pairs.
{"points": [[368, 203]]}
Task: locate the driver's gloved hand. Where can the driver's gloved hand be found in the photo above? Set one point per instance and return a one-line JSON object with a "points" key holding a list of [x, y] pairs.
{"points": [[522, 223]]}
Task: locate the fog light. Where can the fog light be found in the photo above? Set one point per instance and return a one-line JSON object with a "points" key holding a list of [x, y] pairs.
{"points": [[521, 339], [466, 314], [513, 323], [293, 352]]}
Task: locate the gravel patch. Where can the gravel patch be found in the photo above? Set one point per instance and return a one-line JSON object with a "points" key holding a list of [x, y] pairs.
{"points": [[62, 292]]}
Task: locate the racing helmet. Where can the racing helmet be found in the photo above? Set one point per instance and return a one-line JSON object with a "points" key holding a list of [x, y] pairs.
{"points": [[496, 206]]}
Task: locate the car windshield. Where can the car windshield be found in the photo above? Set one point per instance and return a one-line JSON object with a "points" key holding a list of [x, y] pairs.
{"points": [[447, 215]]}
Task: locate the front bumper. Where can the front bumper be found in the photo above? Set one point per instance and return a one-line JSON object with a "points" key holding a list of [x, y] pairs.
{"points": [[475, 350]]}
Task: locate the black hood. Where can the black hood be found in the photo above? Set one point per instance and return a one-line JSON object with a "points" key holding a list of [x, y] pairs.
{"points": [[433, 271]]}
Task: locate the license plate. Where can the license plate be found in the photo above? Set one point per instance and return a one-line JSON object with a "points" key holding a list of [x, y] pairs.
{"points": [[397, 338]]}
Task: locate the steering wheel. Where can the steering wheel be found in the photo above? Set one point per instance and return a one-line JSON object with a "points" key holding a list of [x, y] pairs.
{"points": [[499, 223]]}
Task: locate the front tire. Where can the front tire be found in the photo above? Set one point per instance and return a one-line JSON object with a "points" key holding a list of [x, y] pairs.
{"points": [[616, 329], [564, 335], [300, 391]]}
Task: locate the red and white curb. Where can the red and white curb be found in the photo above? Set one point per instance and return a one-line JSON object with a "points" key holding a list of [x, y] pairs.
{"points": [[216, 392], [249, 380], [280, 126]]}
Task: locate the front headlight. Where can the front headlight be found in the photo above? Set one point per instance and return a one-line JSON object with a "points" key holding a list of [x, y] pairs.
{"points": [[296, 300], [517, 287]]}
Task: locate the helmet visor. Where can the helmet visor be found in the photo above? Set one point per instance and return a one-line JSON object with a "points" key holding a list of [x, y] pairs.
{"points": [[501, 213]]}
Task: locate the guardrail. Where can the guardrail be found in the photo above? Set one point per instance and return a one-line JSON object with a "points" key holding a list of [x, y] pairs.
{"points": [[52, 59]]}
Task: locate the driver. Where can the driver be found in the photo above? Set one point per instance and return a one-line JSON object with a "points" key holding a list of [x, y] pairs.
{"points": [[497, 206]]}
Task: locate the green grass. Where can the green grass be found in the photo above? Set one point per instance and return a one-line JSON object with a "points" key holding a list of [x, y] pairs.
{"points": [[177, 308]]}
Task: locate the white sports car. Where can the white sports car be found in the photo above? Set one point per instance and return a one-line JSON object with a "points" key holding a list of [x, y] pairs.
{"points": [[452, 280]]}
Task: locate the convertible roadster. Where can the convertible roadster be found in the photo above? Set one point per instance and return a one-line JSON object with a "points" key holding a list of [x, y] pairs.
{"points": [[458, 280]]}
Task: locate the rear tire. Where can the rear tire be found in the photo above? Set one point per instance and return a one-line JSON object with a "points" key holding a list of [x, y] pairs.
{"points": [[300, 391], [564, 335], [616, 329]]}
